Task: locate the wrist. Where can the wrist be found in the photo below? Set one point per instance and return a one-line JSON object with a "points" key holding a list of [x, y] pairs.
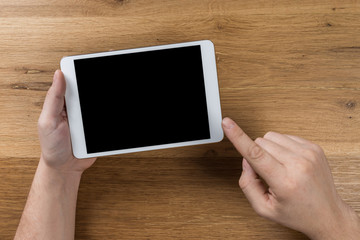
{"points": [[344, 225], [57, 180]]}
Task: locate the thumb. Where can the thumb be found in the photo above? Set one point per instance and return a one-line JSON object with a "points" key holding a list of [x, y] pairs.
{"points": [[55, 98], [254, 189]]}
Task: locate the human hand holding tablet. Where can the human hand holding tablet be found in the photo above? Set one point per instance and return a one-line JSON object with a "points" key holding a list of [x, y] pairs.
{"points": [[142, 99]]}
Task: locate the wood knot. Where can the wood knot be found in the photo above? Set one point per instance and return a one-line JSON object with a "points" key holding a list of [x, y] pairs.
{"points": [[334, 8], [19, 86], [350, 105], [210, 153], [34, 86], [121, 2], [219, 26], [26, 70]]}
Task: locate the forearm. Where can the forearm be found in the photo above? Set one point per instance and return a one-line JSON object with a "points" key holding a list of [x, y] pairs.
{"points": [[50, 208]]}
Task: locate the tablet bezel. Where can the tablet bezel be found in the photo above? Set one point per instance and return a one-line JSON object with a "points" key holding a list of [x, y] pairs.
{"points": [[211, 90]]}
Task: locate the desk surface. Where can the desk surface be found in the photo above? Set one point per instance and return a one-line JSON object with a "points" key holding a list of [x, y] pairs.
{"points": [[286, 66]]}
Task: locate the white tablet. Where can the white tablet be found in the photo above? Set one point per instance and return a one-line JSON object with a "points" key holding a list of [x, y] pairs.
{"points": [[142, 99]]}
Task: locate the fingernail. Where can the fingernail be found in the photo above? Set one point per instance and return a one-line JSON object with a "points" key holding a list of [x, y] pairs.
{"points": [[228, 123]]}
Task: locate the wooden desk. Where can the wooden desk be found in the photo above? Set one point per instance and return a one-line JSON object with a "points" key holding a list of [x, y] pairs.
{"points": [[287, 66]]}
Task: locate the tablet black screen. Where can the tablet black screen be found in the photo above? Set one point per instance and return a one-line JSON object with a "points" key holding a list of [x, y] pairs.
{"points": [[142, 99]]}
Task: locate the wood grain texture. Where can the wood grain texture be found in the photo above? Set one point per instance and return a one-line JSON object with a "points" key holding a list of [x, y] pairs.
{"points": [[286, 66]]}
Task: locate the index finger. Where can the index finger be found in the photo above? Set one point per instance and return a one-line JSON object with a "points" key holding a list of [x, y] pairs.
{"points": [[261, 161]]}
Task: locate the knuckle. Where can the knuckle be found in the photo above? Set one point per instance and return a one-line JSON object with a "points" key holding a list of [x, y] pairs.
{"points": [[317, 148], [45, 124], [295, 182], [239, 133], [41, 123], [305, 167], [269, 135], [243, 182], [256, 152], [310, 154], [258, 140]]}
